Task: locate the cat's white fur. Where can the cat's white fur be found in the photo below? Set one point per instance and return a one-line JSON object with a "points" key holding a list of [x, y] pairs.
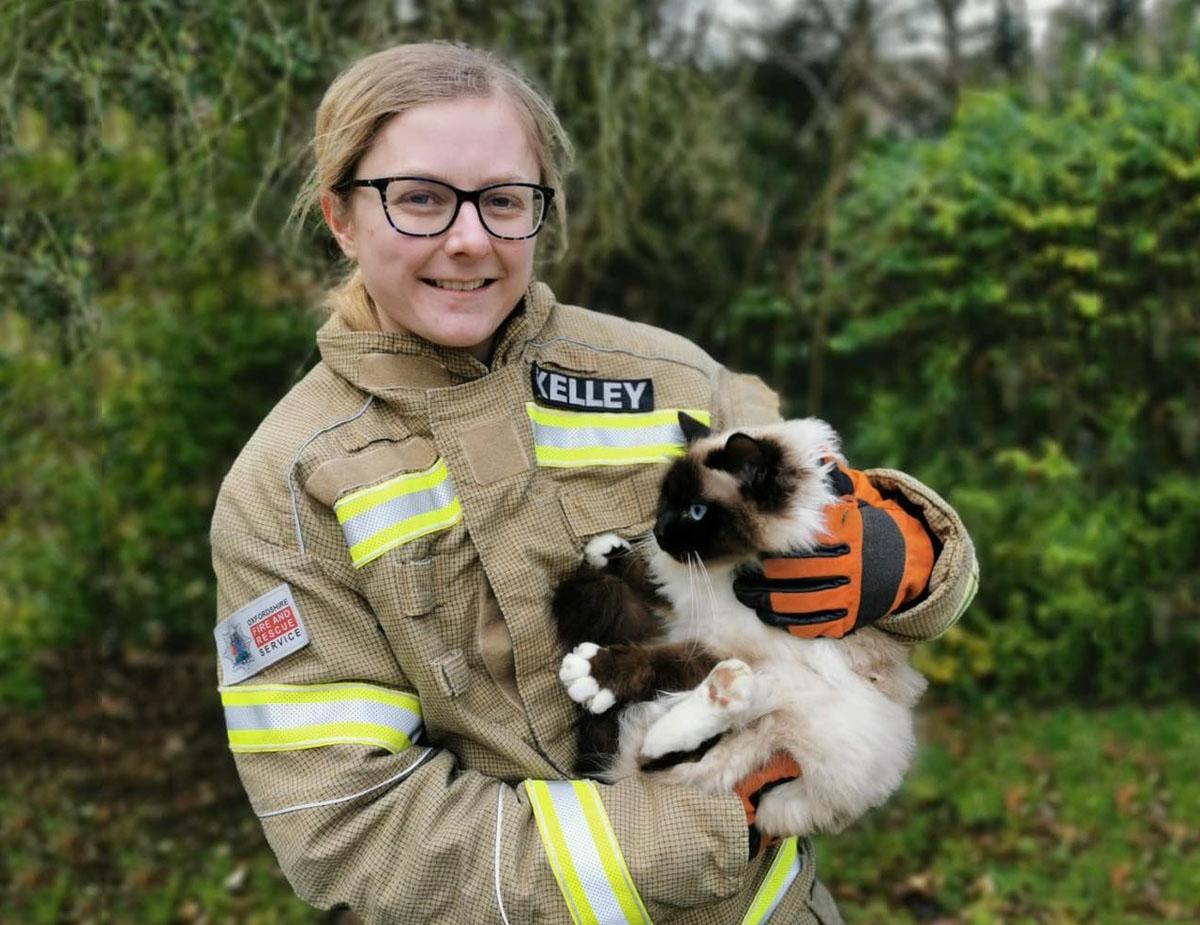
{"points": [[841, 707]]}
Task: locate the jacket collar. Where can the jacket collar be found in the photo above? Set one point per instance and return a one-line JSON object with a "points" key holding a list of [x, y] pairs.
{"points": [[377, 361]]}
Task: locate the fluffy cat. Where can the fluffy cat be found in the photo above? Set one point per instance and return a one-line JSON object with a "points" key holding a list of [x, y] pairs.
{"points": [[704, 691]]}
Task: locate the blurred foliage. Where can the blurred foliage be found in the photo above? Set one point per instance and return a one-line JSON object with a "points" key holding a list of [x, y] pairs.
{"points": [[1009, 312], [149, 315], [1031, 267]]}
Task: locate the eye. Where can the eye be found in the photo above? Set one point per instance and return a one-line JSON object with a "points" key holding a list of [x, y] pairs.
{"points": [[696, 511]]}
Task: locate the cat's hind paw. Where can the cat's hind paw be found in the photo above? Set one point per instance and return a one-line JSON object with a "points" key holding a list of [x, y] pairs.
{"points": [[576, 675], [709, 710], [604, 547]]}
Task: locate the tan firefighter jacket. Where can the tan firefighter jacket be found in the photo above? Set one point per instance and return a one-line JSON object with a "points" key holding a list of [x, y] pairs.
{"points": [[385, 549]]}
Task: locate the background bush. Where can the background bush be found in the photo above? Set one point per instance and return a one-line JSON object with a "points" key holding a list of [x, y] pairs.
{"points": [[1010, 313], [1006, 308]]}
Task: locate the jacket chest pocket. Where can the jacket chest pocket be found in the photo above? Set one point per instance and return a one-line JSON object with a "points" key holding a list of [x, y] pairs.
{"points": [[608, 466], [607, 500], [397, 511], [396, 505]]}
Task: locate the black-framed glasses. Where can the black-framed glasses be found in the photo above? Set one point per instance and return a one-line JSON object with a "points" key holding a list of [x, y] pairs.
{"points": [[424, 208]]}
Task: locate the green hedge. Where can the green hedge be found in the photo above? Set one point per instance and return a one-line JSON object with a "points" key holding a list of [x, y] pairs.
{"points": [[1010, 312], [155, 307], [1007, 312]]}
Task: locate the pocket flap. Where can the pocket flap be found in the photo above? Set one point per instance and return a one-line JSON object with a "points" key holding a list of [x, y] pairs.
{"points": [[626, 505], [335, 477]]}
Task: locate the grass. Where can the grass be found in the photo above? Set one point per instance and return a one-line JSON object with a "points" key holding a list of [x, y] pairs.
{"points": [[1062, 816], [125, 807]]}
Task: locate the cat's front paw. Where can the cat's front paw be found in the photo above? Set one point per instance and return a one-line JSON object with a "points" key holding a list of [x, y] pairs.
{"points": [[604, 547], [576, 676]]}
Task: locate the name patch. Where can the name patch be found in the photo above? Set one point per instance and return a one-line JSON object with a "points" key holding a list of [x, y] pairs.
{"points": [[259, 634], [561, 390]]}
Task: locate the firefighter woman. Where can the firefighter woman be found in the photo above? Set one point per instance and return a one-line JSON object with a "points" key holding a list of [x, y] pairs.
{"points": [[387, 543]]}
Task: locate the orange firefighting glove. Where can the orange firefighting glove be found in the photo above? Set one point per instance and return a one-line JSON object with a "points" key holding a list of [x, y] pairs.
{"points": [[874, 558], [780, 768]]}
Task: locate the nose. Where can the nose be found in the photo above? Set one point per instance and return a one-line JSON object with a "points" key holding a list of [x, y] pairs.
{"points": [[467, 235]]}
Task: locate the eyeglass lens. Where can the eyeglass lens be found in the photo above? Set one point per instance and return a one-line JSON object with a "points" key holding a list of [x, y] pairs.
{"points": [[427, 207]]}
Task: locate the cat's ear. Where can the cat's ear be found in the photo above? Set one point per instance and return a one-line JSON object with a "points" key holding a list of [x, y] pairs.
{"points": [[742, 457], [692, 429]]}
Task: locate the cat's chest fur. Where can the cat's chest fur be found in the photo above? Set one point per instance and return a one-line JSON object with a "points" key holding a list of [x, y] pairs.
{"points": [[706, 612]]}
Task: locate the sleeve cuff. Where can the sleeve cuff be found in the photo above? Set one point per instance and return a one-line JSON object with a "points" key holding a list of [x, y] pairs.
{"points": [[955, 577], [683, 847]]}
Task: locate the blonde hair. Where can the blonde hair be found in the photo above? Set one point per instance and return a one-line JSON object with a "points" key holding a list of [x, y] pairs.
{"points": [[365, 96]]}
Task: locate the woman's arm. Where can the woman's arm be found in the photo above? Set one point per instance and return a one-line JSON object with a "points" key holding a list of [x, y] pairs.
{"points": [[359, 810]]}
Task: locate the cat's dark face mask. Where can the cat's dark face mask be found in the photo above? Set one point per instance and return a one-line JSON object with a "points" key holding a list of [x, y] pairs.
{"points": [[688, 525]]}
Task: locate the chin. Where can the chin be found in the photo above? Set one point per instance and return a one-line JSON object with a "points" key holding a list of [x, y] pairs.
{"points": [[459, 338]]}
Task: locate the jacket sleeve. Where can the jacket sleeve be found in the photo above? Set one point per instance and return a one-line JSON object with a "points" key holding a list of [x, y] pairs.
{"points": [[745, 399], [401, 832], [955, 577]]}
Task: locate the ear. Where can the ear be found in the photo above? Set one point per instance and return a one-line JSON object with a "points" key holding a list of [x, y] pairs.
{"points": [[742, 457], [692, 429], [337, 218]]}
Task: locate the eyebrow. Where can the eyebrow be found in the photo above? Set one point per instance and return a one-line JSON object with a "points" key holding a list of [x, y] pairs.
{"points": [[441, 178]]}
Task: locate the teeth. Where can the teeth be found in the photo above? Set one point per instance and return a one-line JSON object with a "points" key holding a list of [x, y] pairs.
{"points": [[460, 286]]}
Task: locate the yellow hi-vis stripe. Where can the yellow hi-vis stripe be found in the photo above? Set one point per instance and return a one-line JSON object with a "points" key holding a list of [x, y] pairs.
{"points": [[289, 717], [405, 507], [784, 869], [364, 499], [567, 439], [583, 853]]}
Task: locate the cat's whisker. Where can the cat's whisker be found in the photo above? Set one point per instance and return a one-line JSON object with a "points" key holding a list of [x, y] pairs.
{"points": [[691, 603], [712, 595], [701, 614]]}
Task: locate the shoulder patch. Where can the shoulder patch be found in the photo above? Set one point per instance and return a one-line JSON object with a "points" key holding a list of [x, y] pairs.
{"points": [[259, 634], [580, 393]]}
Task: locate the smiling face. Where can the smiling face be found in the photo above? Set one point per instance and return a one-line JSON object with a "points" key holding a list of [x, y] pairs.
{"points": [[457, 288]]}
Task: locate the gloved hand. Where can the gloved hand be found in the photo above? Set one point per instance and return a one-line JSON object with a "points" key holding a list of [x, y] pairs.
{"points": [[780, 768], [874, 558]]}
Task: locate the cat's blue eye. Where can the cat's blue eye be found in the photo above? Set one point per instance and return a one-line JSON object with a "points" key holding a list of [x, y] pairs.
{"points": [[696, 511]]}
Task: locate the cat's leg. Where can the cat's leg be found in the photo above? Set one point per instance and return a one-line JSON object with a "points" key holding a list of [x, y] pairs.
{"points": [[604, 549], [716, 705], [598, 603], [797, 808], [599, 678], [582, 687], [618, 557]]}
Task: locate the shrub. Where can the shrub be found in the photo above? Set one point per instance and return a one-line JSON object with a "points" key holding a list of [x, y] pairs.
{"points": [[1012, 316]]}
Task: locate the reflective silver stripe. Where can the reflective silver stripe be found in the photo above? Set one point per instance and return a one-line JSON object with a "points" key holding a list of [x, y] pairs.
{"points": [[362, 526], [289, 717], [295, 715], [599, 438], [583, 853], [396, 511], [586, 857], [574, 437]]}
